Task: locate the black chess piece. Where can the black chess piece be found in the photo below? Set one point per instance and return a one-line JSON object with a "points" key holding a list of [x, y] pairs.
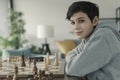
{"points": [[23, 60], [35, 70], [36, 77], [8, 77], [51, 76], [43, 75], [40, 74]]}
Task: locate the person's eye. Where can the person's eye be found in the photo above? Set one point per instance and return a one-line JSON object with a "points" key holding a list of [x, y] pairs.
{"points": [[72, 23], [81, 21]]}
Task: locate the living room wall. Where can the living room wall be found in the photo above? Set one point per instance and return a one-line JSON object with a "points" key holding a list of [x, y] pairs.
{"points": [[3, 18], [50, 12]]}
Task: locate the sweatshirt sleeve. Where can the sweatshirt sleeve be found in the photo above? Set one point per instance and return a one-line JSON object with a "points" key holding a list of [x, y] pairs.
{"points": [[95, 55], [74, 52]]}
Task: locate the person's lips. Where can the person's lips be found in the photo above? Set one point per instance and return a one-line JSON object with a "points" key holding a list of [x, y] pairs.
{"points": [[78, 33]]}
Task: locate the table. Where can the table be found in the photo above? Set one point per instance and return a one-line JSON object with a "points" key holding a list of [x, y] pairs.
{"points": [[26, 72]]}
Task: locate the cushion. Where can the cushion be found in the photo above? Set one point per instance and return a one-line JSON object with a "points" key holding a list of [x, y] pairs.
{"points": [[15, 52], [65, 46]]}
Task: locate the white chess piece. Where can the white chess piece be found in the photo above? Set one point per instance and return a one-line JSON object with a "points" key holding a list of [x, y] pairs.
{"points": [[15, 72], [48, 59], [45, 65], [56, 62]]}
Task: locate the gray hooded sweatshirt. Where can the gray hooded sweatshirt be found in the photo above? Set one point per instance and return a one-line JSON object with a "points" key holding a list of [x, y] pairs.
{"points": [[98, 57]]}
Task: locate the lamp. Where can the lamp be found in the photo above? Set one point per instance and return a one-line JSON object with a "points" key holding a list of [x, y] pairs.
{"points": [[45, 31]]}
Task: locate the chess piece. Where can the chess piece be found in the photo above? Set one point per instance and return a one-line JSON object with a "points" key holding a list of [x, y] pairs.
{"points": [[35, 77], [56, 62], [29, 61], [51, 76], [17, 58], [15, 77], [48, 59], [15, 72], [8, 77], [40, 74], [30, 79], [22, 60], [43, 72], [45, 65], [0, 64], [35, 70], [13, 58], [9, 59], [34, 62], [43, 75]]}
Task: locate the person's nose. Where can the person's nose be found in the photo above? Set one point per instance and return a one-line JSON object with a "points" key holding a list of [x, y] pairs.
{"points": [[76, 26]]}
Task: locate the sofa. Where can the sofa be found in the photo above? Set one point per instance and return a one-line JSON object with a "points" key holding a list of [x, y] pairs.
{"points": [[15, 52]]}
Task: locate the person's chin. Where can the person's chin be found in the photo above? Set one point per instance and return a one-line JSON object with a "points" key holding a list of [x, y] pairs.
{"points": [[80, 37]]}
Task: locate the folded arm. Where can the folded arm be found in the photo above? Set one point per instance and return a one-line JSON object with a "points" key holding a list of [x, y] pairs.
{"points": [[95, 55]]}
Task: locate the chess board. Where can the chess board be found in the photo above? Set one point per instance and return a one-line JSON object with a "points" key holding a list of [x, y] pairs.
{"points": [[8, 68]]}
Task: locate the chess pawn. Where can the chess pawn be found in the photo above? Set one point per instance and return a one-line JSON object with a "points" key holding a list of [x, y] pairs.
{"points": [[43, 78], [0, 63], [45, 65], [40, 75], [45, 60], [35, 77], [15, 73], [8, 77], [30, 79], [13, 58], [48, 59], [35, 70], [43, 75], [29, 61], [50, 76], [34, 62], [15, 69], [9, 59], [56, 62], [15, 77], [56, 55], [17, 58]]}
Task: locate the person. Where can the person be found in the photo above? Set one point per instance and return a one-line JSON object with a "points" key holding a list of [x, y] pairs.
{"points": [[97, 57]]}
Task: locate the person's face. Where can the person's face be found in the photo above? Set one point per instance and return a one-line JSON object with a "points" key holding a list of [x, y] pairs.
{"points": [[82, 25]]}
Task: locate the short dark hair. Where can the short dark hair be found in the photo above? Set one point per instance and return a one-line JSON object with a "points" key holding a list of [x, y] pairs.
{"points": [[89, 8]]}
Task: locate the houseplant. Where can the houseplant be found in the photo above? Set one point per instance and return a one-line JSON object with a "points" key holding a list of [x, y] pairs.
{"points": [[15, 39], [16, 29]]}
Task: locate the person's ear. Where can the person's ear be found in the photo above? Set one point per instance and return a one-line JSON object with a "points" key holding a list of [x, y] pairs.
{"points": [[95, 21]]}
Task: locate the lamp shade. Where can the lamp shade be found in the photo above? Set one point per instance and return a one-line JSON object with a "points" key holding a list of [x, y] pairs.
{"points": [[45, 31]]}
